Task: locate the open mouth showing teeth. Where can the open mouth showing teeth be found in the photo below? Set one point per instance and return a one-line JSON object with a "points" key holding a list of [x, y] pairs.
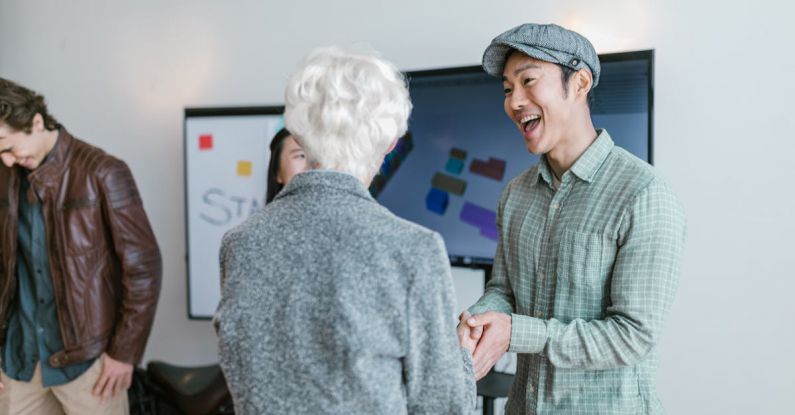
{"points": [[529, 122]]}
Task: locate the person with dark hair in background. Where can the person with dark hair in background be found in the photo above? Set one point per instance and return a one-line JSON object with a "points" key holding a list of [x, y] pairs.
{"points": [[589, 248], [80, 268], [287, 160]]}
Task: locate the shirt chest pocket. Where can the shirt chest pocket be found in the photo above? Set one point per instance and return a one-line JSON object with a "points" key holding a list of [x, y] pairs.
{"points": [[584, 264]]}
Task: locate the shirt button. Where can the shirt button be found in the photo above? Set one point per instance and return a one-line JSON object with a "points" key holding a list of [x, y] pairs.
{"points": [[530, 388], [541, 276], [556, 206]]}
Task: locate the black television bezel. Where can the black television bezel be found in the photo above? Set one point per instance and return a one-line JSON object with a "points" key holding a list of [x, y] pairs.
{"points": [[197, 112], [647, 54]]}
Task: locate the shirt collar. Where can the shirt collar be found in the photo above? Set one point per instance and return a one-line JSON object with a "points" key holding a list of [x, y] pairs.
{"points": [[589, 162], [544, 171]]}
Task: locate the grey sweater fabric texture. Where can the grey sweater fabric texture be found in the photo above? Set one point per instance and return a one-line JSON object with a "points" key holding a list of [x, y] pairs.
{"points": [[333, 305]]}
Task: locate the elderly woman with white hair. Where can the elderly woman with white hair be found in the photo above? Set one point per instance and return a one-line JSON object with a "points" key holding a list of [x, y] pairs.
{"points": [[330, 303]]}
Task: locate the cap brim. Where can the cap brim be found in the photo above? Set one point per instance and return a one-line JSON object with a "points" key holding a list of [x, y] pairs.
{"points": [[497, 53]]}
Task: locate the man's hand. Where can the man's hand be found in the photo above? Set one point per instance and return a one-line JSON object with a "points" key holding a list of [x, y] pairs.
{"points": [[494, 342], [116, 377], [467, 337]]}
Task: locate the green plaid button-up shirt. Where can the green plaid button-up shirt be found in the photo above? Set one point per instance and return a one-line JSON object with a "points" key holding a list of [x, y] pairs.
{"points": [[587, 273]]}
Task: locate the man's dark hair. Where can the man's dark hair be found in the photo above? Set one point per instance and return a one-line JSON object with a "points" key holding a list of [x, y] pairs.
{"points": [[18, 106]]}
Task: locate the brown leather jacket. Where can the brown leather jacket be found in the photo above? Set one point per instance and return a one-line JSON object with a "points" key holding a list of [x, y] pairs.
{"points": [[104, 259]]}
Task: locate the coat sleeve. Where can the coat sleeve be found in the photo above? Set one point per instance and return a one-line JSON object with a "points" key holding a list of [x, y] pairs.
{"points": [[139, 257], [438, 372]]}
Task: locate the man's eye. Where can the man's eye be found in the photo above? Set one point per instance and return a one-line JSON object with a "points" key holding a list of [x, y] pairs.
{"points": [[527, 80], [506, 91]]}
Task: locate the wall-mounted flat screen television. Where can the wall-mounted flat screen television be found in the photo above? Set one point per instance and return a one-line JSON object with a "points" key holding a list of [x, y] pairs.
{"points": [[446, 174], [461, 149]]}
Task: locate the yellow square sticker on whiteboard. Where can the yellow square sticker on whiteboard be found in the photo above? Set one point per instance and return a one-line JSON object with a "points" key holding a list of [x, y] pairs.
{"points": [[244, 168]]}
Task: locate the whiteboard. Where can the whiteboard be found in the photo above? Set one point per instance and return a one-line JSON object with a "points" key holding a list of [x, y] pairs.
{"points": [[226, 174]]}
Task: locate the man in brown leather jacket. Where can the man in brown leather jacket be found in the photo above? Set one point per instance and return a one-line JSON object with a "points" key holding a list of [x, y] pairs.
{"points": [[80, 268]]}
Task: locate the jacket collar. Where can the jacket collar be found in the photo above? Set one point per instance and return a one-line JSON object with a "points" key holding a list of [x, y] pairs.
{"points": [[53, 165]]}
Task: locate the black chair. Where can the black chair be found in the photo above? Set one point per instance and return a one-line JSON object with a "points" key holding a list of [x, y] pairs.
{"points": [[192, 390], [492, 386]]}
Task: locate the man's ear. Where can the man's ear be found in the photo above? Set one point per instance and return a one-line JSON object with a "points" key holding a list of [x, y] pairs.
{"points": [[38, 123], [584, 82]]}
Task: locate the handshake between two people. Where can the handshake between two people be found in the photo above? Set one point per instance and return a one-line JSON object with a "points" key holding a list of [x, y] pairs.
{"points": [[486, 336]]}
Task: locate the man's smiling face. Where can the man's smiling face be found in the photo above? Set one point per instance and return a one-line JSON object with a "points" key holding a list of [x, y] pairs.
{"points": [[536, 101]]}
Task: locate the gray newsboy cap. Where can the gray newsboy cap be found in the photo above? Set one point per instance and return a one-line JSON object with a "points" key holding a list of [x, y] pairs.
{"points": [[546, 42]]}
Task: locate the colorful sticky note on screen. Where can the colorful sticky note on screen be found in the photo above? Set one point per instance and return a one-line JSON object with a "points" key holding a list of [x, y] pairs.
{"points": [[244, 168], [206, 142]]}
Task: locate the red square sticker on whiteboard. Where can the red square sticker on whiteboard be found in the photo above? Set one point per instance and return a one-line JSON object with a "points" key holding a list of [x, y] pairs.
{"points": [[206, 142]]}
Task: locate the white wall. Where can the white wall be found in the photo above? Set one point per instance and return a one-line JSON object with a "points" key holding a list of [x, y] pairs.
{"points": [[119, 74]]}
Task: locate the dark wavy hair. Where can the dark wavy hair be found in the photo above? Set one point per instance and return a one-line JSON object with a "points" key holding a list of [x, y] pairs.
{"points": [[277, 144], [18, 106]]}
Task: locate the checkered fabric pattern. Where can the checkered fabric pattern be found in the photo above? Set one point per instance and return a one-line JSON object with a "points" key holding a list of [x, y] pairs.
{"points": [[588, 272]]}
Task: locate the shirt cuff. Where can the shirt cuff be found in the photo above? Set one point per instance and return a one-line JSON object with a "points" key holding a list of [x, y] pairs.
{"points": [[528, 334], [477, 309], [485, 305]]}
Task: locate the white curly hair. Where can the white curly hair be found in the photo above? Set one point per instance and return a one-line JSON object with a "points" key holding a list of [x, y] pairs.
{"points": [[346, 108]]}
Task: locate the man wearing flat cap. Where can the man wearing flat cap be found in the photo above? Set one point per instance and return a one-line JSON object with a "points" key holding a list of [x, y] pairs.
{"points": [[590, 243]]}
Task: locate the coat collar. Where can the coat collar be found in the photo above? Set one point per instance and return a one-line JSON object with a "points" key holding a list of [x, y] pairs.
{"points": [[324, 181]]}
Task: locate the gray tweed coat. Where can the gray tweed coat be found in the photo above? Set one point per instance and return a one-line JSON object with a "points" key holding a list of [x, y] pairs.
{"points": [[333, 305]]}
